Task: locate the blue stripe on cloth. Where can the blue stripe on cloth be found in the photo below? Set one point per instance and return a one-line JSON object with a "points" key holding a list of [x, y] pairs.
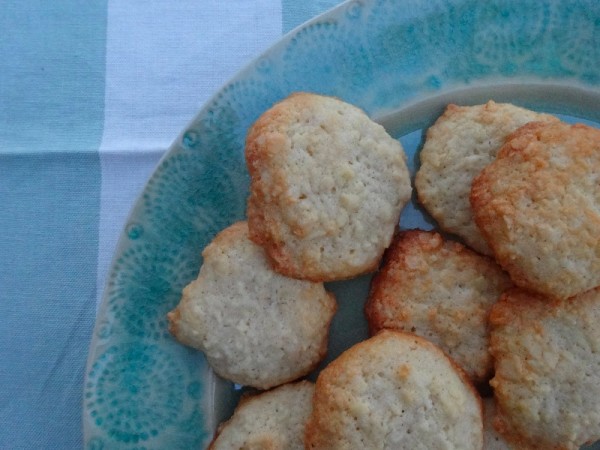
{"points": [[52, 61], [51, 118], [295, 13]]}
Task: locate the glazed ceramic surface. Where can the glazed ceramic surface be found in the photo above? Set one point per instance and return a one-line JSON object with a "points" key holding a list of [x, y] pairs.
{"points": [[401, 61]]}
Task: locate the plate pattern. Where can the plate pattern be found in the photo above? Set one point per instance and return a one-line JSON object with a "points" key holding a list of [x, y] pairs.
{"points": [[145, 391]]}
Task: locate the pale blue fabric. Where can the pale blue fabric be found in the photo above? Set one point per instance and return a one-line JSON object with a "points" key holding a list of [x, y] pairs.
{"points": [[47, 294], [51, 118], [51, 75], [52, 88]]}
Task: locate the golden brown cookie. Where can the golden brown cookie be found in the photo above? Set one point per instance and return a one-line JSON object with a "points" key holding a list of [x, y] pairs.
{"points": [[442, 291], [272, 420], [538, 206], [457, 147], [547, 380], [327, 187], [394, 391]]}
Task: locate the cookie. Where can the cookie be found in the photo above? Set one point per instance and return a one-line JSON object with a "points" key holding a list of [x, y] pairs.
{"points": [[327, 187], [538, 206], [255, 326], [397, 391], [547, 382], [442, 291], [457, 147], [272, 420]]}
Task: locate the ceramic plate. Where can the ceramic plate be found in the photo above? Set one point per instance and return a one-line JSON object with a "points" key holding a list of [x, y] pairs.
{"points": [[401, 61]]}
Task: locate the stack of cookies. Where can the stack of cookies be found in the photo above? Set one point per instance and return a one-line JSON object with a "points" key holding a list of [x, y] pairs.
{"points": [[505, 295], [524, 189], [328, 187]]}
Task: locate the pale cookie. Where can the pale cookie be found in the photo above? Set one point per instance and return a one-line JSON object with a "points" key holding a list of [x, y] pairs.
{"points": [[255, 326], [538, 206], [442, 291], [272, 420], [327, 187], [394, 391], [547, 380], [457, 147]]}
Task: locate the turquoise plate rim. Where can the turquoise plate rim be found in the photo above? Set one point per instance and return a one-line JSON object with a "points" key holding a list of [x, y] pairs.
{"points": [[138, 345]]}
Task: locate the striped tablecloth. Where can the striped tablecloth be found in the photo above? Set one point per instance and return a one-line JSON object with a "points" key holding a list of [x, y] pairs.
{"points": [[92, 93]]}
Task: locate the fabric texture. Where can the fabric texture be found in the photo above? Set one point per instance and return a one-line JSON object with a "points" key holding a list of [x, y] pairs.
{"points": [[91, 96]]}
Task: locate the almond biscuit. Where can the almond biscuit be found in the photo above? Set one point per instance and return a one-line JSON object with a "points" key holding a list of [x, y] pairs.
{"points": [[327, 187], [271, 420], [255, 326], [394, 391], [442, 291], [457, 147], [547, 382], [538, 207]]}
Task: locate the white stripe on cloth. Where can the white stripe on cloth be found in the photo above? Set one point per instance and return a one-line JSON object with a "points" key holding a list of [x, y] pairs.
{"points": [[164, 60]]}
